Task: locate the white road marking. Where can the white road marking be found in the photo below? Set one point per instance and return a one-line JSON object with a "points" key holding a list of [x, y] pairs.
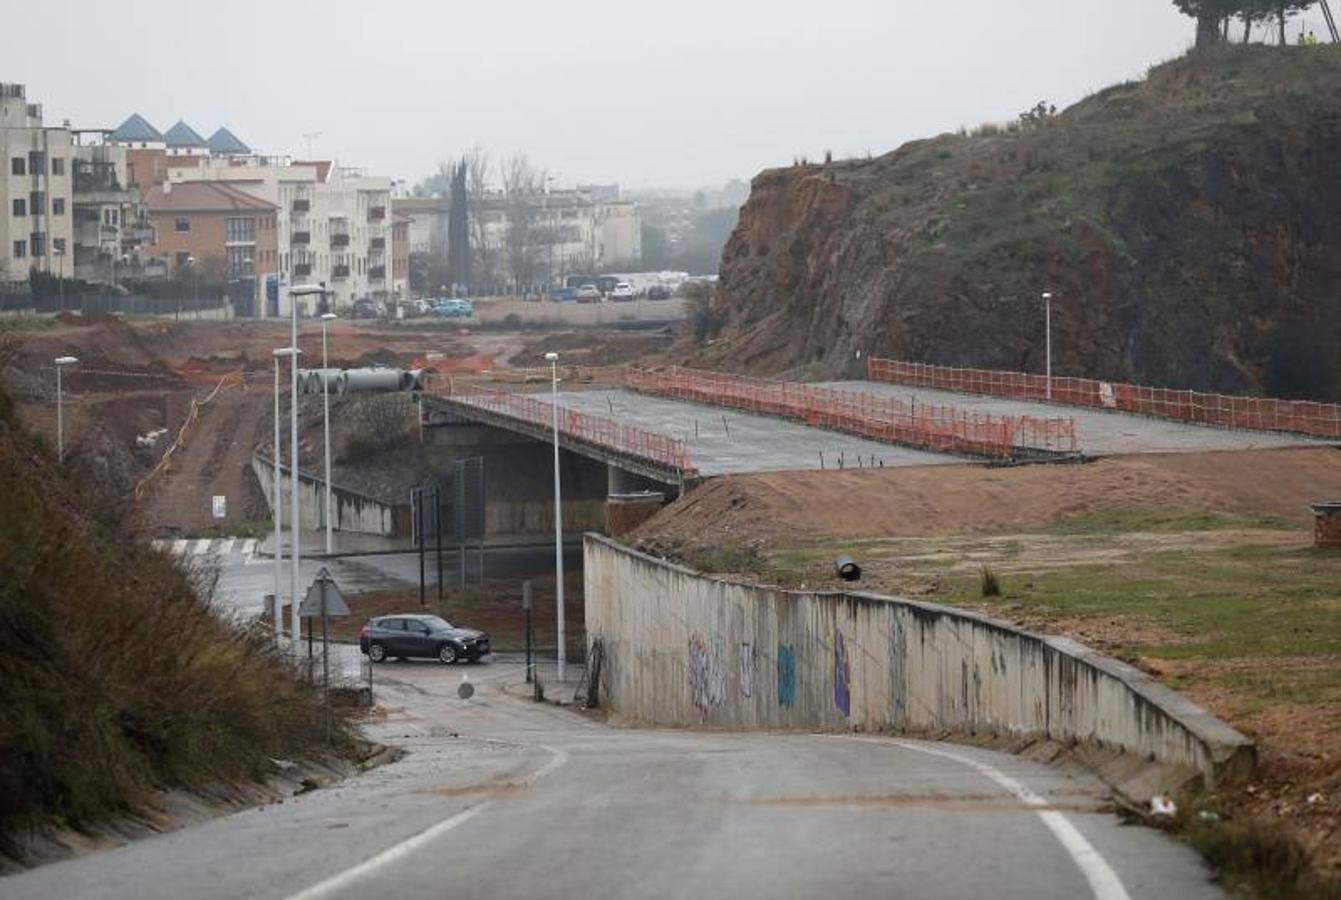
{"points": [[249, 548], [399, 851], [179, 548], [1104, 882], [202, 546], [226, 546]]}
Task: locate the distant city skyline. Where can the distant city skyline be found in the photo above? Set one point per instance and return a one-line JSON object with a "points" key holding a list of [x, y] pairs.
{"points": [[689, 98]]}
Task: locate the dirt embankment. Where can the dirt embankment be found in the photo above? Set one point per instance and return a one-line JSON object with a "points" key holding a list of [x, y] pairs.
{"points": [[788, 508]]}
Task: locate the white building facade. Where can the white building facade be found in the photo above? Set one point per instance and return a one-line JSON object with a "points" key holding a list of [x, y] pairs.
{"points": [[36, 203]]}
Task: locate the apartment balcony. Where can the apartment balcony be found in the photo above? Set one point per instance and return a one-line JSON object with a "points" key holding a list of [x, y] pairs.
{"points": [[301, 270], [340, 240], [377, 243], [377, 273], [138, 234], [339, 272], [301, 237], [377, 214], [302, 207]]}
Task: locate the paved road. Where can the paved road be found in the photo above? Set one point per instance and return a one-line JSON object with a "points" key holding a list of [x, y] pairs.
{"points": [[1101, 432], [245, 577], [501, 797], [728, 441]]}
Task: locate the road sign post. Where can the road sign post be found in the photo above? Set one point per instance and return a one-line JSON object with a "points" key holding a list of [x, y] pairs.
{"points": [[526, 605], [325, 600]]}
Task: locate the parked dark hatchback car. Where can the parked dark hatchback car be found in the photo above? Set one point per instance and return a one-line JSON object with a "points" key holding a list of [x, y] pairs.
{"points": [[421, 637]]}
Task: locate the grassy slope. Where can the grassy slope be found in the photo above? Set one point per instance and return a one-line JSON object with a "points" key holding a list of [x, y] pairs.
{"points": [[116, 676]]}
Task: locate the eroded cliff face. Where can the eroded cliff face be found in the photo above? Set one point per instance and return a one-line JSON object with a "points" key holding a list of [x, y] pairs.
{"points": [[1189, 227]]}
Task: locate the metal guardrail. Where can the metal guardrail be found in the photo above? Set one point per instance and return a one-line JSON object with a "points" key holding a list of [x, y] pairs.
{"points": [[1194, 407], [659, 449], [933, 427]]}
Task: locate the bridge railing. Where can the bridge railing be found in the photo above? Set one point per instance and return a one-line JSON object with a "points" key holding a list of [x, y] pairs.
{"points": [[648, 445], [1227, 411], [889, 419]]}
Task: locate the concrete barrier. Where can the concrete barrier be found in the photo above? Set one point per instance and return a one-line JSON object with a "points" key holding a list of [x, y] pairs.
{"points": [[682, 648], [350, 511]]}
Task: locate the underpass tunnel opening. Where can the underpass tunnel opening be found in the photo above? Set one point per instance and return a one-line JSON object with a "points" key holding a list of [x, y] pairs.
{"points": [[633, 499]]}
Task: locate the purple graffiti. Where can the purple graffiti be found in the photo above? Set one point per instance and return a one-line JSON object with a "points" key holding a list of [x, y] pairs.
{"points": [[842, 693]]}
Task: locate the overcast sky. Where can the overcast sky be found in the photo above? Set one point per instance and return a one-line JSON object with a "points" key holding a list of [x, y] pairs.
{"points": [[676, 93]]}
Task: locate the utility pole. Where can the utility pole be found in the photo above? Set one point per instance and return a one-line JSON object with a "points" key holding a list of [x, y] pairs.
{"points": [[1047, 307]]}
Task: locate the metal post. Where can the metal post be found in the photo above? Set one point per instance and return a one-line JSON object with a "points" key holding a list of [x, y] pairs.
{"points": [[526, 605], [419, 497], [326, 417], [277, 513], [60, 419], [437, 522], [295, 541], [558, 512], [1047, 308], [325, 659]]}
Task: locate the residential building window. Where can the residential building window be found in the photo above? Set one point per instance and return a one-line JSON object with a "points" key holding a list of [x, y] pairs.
{"points": [[183, 225], [58, 206], [57, 165], [20, 206], [17, 167], [58, 246], [182, 258], [37, 204], [37, 164], [237, 262], [20, 249], [240, 231], [37, 243]]}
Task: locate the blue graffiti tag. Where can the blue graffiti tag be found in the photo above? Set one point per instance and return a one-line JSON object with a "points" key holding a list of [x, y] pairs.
{"points": [[786, 676], [842, 694]]}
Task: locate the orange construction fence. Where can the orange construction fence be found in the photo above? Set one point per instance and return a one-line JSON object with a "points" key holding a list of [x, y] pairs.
{"points": [[889, 419], [658, 448], [1226, 411]]}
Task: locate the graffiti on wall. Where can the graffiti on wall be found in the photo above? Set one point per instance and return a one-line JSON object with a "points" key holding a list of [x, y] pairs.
{"points": [[707, 680], [842, 679], [898, 671], [786, 676], [747, 669]]}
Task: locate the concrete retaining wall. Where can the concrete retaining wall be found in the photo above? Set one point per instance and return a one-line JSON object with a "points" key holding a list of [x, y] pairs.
{"points": [[687, 649], [350, 511]]}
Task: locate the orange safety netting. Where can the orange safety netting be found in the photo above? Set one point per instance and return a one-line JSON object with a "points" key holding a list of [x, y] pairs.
{"points": [[598, 430], [1254, 413], [888, 419]]}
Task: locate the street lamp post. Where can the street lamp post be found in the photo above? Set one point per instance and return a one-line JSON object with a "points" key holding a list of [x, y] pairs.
{"points": [[295, 541], [61, 362], [277, 502], [553, 359], [326, 419], [190, 263], [1047, 314]]}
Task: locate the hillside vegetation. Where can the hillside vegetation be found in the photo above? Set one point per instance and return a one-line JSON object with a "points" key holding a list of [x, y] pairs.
{"points": [[1188, 224], [117, 678]]}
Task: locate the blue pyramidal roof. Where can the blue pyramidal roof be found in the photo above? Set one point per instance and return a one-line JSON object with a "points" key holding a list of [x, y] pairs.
{"points": [[183, 135], [136, 128], [225, 142]]}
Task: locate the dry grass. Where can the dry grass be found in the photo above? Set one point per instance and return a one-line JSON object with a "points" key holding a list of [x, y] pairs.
{"points": [[119, 678]]}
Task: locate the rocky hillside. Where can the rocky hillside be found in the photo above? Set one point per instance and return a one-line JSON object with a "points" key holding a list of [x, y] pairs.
{"points": [[1188, 224]]}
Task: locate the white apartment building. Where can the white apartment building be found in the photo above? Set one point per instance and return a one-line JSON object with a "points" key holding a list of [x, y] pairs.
{"points": [[334, 224], [580, 231], [36, 208], [110, 223]]}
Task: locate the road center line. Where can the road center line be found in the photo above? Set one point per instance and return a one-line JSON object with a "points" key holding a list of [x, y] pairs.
{"points": [[1104, 882], [399, 851]]}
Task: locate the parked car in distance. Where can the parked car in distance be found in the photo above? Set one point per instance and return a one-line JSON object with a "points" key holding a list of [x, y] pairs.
{"points": [[425, 308], [454, 307], [368, 309], [421, 637], [658, 292], [409, 309], [563, 295], [588, 294], [622, 293]]}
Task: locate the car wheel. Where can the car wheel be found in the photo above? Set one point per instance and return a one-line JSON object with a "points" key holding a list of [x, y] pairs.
{"points": [[447, 654], [376, 653]]}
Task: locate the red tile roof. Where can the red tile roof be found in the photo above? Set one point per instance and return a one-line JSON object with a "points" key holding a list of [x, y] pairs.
{"points": [[205, 196]]}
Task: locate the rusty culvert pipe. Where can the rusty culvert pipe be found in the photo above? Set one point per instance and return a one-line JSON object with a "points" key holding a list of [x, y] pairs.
{"points": [[847, 569]]}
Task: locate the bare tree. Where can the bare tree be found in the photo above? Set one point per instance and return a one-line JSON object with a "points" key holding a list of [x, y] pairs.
{"points": [[523, 185]]}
